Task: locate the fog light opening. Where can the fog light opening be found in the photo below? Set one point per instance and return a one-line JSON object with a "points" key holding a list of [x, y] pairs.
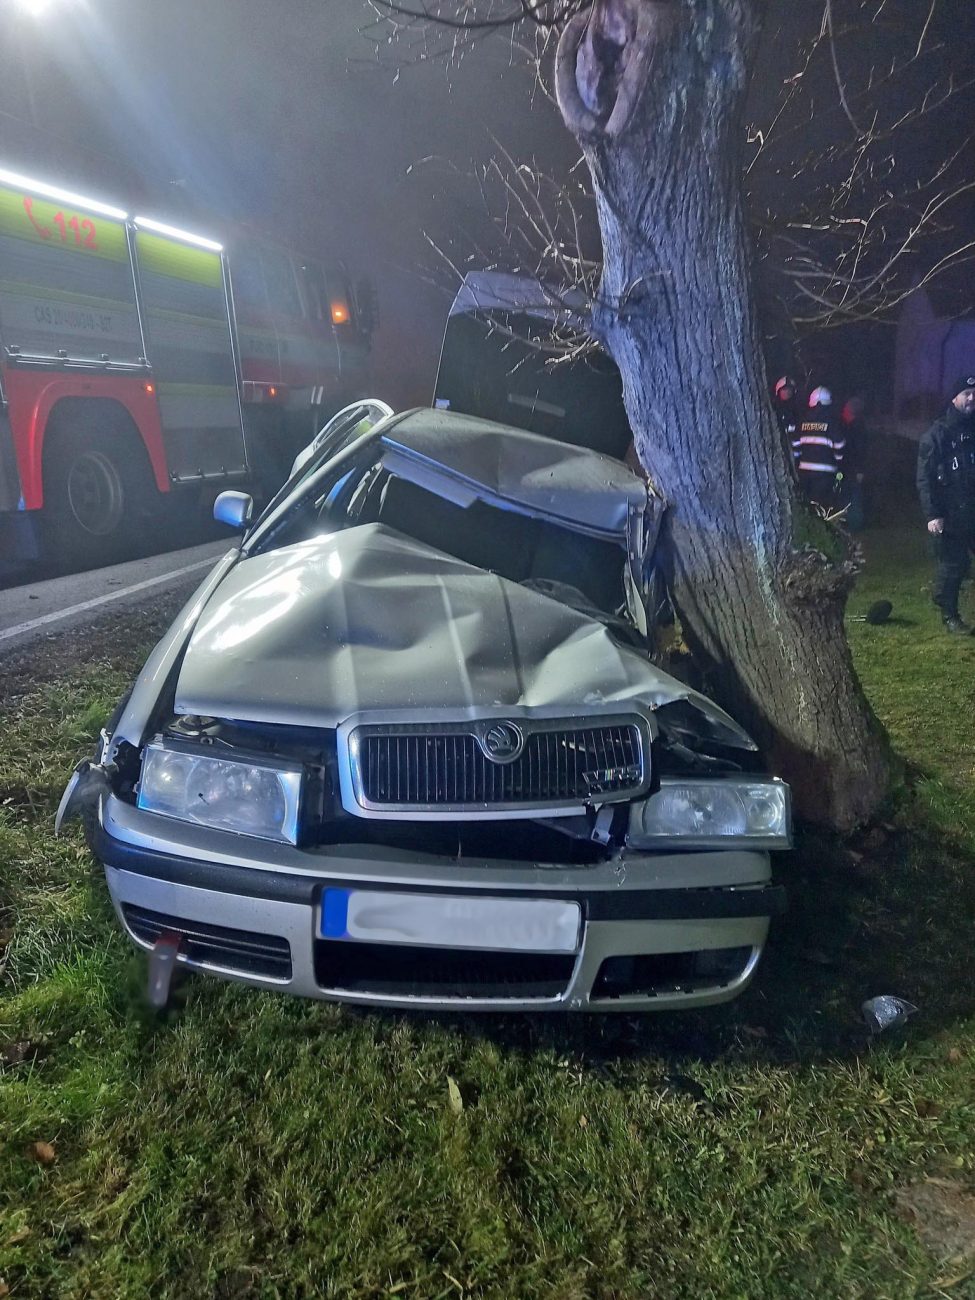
{"points": [[650, 975]]}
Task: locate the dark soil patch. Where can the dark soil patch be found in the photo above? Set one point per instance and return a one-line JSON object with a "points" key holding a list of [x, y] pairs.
{"points": [[942, 1212]]}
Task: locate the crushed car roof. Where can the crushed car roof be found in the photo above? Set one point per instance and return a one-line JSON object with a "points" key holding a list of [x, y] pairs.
{"points": [[479, 459]]}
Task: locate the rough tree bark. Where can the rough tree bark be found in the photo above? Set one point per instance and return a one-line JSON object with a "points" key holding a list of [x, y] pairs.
{"points": [[654, 93]]}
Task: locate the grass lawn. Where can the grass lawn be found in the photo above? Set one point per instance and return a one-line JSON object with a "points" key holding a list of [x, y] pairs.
{"points": [[254, 1145]]}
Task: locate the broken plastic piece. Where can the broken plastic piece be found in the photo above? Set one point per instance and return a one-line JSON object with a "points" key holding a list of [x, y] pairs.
{"points": [[603, 826], [886, 1010], [162, 963], [87, 783], [68, 805]]}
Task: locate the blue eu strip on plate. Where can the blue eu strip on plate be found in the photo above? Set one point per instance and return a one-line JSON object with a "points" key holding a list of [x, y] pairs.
{"points": [[335, 913]]}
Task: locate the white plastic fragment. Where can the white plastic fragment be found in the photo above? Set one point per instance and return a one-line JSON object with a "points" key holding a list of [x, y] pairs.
{"points": [[882, 1012]]}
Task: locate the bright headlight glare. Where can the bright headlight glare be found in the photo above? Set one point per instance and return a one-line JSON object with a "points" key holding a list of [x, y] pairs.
{"points": [[227, 794], [717, 810]]}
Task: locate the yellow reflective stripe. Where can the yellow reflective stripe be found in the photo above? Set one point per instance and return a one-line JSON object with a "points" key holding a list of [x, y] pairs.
{"points": [[177, 260]]}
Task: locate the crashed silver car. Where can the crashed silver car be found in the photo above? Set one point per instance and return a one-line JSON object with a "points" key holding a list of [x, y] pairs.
{"points": [[406, 745]]}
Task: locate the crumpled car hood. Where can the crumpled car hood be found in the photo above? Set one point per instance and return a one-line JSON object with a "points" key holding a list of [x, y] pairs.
{"points": [[368, 619]]}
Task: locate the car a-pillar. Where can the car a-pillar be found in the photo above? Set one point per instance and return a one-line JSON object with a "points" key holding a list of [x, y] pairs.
{"points": [[98, 483]]}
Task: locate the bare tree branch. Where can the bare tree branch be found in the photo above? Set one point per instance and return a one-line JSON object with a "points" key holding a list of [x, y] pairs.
{"points": [[852, 218]]}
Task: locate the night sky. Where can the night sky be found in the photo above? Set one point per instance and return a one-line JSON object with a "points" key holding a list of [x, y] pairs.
{"points": [[277, 113]]}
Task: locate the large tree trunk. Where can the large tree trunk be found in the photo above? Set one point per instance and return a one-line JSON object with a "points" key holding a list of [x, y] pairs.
{"points": [[654, 92]]}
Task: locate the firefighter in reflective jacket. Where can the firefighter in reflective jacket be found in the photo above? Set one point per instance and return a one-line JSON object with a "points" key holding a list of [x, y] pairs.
{"points": [[946, 486], [818, 449]]}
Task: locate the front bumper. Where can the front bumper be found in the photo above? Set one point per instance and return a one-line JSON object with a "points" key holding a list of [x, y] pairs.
{"points": [[659, 931]]}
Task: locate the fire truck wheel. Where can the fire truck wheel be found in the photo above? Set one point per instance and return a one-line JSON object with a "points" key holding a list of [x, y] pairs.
{"points": [[89, 495]]}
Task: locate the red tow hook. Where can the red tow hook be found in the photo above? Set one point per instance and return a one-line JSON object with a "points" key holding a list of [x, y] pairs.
{"points": [[162, 963]]}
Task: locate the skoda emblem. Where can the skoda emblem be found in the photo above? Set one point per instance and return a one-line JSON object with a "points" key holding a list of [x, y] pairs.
{"points": [[502, 742]]}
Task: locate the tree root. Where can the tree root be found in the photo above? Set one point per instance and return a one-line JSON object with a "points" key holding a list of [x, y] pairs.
{"points": [[811, 578]]}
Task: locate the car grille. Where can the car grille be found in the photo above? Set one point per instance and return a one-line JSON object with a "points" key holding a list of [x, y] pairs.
{"points": [[215, 945], [445, 768]]}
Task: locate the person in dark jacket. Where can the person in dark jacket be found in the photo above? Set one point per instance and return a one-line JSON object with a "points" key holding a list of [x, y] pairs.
{"points": [[818, 449], [946, 486]]}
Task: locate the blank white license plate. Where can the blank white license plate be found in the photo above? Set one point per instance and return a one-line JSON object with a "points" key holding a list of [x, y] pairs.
{"points": [[451, 921]]}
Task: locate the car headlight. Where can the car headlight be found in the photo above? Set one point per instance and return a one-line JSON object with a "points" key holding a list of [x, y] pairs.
{"points": [[231, 794], [715, 813]]}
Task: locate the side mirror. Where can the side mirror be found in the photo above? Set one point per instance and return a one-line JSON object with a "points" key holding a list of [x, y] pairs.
{"points": [[233, 509]]}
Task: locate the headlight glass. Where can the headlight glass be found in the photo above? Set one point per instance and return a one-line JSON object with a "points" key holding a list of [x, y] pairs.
{"points": [[705, 811], [230, 794]]}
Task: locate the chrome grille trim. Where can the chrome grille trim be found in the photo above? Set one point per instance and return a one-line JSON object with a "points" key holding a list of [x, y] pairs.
{"points": [[443, 769]]}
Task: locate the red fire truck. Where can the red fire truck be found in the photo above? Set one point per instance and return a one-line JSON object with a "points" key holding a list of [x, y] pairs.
{"points": [[139, 362]]}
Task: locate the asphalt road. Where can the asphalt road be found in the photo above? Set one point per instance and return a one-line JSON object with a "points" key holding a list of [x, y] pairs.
{"points": [[37, 609]]}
